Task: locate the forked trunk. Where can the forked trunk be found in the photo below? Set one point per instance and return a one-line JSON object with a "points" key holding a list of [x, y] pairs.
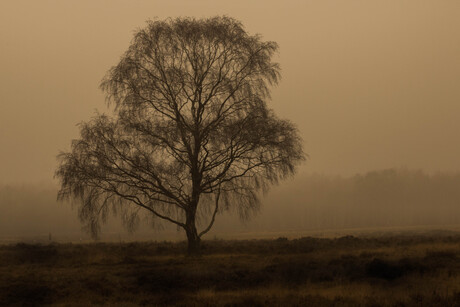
{"points": [[192, 236]]}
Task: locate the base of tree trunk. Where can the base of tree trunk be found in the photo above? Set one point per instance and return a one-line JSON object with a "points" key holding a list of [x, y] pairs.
{"points": [[194, 243]]}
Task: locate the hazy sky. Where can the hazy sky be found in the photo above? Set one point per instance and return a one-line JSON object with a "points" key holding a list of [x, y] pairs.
{"points": [[370, 84]]}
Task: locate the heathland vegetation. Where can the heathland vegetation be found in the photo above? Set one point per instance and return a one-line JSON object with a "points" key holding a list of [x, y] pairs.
{"points": [[403, 270]]}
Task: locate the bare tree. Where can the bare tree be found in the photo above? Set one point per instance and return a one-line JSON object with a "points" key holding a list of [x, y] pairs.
{"points": [[191, 134]]}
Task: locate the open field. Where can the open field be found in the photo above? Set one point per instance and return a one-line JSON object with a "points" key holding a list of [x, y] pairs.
{"points": [[402, 270]]}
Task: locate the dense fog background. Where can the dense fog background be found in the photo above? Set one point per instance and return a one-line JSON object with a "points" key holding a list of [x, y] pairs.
{"points": [[371, 85], [386, 200]]}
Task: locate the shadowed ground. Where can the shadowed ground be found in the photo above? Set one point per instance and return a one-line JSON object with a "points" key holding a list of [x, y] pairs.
{"points": [[403, 270]]}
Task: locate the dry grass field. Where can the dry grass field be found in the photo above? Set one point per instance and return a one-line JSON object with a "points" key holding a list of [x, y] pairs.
{"points": [[402, 270]]}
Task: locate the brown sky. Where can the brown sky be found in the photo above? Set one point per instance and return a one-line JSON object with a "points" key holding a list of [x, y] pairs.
{"points": [[370, 84]]}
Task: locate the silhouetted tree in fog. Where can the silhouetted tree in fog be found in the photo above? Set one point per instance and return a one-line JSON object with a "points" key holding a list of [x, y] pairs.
{"points": [[191, 135]]}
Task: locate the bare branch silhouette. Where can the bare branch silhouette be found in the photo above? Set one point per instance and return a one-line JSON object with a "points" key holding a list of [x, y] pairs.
{"points": [[191, 128]]}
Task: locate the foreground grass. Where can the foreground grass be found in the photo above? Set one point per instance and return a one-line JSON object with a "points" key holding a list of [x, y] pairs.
{"points": [[348, 271]]}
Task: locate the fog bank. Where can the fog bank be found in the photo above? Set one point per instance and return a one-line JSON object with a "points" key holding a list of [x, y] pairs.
{"points": [[380, 199]]}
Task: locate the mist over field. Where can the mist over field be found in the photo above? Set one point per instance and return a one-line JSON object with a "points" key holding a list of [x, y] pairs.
{"points": [[370, 86], [378, 201]]}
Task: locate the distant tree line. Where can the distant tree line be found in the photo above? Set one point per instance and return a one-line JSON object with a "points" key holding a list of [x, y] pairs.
{"points": [[387, 198], [393, 197]]}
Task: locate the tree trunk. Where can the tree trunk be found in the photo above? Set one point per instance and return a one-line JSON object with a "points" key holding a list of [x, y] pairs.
{"points": [[192, 236]]}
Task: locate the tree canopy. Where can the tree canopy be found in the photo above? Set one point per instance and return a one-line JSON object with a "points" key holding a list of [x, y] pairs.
{"points": [[190, 135]]}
